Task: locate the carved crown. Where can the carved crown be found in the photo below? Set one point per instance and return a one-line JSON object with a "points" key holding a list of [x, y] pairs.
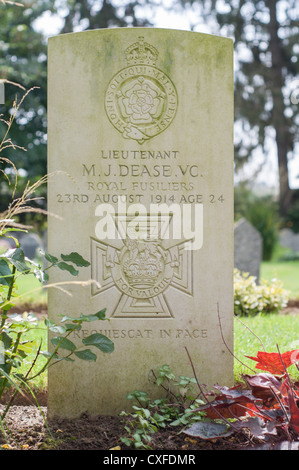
{"points": [[141, 53], [142, 273]]}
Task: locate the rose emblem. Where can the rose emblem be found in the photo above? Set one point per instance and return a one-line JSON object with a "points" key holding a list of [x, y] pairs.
{"points": [[141, 101]]}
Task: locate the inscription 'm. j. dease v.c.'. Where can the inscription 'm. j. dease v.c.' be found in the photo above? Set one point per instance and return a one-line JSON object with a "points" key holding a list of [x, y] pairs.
{"points": [[141, 100]]}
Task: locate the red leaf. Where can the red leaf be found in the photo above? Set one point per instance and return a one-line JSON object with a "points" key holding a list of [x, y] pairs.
{"points": [[294, 410], [232, 402], [263, 385], [226, 409], [274, 362]]}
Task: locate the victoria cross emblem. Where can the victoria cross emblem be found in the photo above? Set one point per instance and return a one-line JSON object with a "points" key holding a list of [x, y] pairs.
{"points": [[141, 270], [141, 100]]}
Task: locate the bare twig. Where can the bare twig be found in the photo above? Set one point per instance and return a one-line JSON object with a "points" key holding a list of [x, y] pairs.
{"points": [[252, 333], [205, 395], [226, 345]]}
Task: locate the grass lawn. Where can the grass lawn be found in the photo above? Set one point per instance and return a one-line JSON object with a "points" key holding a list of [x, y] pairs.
{"points": [[270, 330], [267, 331], [30, 291], [285, 271], [38, 334], [260, 332]]}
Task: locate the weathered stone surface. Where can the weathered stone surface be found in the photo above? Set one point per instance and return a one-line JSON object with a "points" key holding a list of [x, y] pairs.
{"points": [[146, 114], [248, 247]]}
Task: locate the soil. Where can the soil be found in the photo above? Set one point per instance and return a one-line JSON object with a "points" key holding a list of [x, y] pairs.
{"points": [[30, 432], [29, 429]]}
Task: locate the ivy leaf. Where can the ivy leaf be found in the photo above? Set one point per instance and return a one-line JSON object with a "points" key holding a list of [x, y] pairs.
{"points": [[99, 341], [86, 355], [75, 258]]}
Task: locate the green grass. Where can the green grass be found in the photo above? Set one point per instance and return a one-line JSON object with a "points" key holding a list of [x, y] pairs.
{"points": [[271, 329], [39, 335], [30, 291], [267, 331], [286, 271]]}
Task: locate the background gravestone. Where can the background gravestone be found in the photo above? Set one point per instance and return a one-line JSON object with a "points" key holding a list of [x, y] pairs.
{"points": [[289, 239], [31, 243], [145, 114], [248, 246]]}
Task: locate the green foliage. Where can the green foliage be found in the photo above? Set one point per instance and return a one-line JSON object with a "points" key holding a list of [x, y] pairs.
{"points": [[265, 38], [262, 213], [292, 217], [15, 347], [251, 298], [90, 14], [290, 256], [176, 408], [23, 60], [286, 271], [269, 330]]}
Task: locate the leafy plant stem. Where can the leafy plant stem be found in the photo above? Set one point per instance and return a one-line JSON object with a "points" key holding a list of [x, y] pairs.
{"points": [[9, 294], [16, 391], [16, 345], [51, 357], [166, 389]]}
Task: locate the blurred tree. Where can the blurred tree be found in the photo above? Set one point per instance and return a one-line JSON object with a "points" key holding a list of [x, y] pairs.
{"points": [[261, 212], [23, 60], [266, 36], [92, 14]]}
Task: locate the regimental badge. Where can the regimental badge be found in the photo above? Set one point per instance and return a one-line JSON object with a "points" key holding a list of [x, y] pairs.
{"points": [[141, 100]]}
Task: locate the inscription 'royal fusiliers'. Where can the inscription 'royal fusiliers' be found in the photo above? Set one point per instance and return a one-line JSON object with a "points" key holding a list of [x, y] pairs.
{"points": [[141, 100]]}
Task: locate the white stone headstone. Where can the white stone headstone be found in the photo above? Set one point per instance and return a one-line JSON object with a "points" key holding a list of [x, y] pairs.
{"points": [[140, 131]]}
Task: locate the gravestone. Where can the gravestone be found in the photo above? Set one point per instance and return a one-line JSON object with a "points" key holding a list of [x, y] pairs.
{"points": [[30, 242], [248, 247], [140, 138], [289, 239]]}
